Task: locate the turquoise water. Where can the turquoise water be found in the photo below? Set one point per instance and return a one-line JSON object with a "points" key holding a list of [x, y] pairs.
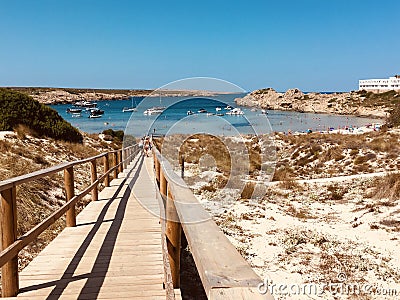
{"points": [[175, 117]]}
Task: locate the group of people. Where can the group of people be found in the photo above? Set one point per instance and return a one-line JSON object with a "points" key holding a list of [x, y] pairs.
{"points": [[145, 145]]}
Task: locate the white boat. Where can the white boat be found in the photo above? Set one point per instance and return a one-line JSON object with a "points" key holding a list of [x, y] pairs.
{"points": [[235, 112], [74, 110], [201, 111], [129, 109], [228, 107], [94, 116], [189, 113], [87, 104], [210, 114], [264, 112], [154, 110], [96, 111], [218, 108]]}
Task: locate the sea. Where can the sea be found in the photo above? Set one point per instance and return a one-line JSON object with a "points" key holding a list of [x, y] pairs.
{"points": [[175, 119]]}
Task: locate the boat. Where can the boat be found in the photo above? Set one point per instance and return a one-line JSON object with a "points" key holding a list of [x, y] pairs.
{"points": [[76, 115], [220, 115], [210, 114], [96, 111], [264, 112], [154, 110], [228, 107], [129, 109], [74, 110], [235, 112], [91, 116], [189, 113], [201, 111], [87, 104], [218, 108]]}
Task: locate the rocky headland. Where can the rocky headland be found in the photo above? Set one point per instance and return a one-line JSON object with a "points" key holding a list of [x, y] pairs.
{"points": [[71, 95], [358, 103]]}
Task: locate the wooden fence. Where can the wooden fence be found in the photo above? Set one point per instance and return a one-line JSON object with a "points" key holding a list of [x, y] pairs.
{"points": [[223, 271], [11, 244]]}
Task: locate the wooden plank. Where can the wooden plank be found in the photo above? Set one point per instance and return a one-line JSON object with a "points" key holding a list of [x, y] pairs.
{"points": [[238, 293], [122, 254], [219, 264]]}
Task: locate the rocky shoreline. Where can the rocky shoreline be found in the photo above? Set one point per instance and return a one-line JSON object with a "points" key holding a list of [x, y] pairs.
{"points": [[357, 103], [70, 95]]}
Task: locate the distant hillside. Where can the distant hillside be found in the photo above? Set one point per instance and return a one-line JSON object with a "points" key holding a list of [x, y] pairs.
{"points": [[359, 103], [70, 95], [20, 109]]}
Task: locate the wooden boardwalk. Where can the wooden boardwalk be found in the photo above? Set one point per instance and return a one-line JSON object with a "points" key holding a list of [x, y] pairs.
{"points": [[114, 251]]}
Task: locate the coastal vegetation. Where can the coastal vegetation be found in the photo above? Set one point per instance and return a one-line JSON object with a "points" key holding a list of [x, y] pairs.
{"points": [[394, 118], [329, 212], [325, 155], [76, 91], [38, 199], [114, 135], [359, 103], [19, 110]]}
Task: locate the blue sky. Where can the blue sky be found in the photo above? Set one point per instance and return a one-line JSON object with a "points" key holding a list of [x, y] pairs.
{"points": [[312, 45]]}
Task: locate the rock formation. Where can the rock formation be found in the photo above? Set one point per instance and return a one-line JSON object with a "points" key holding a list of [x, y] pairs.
{"points": [[351, 103]]}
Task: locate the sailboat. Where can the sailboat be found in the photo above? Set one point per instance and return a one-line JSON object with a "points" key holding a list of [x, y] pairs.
{"points": [[132, 108]]}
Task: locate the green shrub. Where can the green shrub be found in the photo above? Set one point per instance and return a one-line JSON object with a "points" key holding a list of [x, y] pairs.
{"points": [[18, 109]]}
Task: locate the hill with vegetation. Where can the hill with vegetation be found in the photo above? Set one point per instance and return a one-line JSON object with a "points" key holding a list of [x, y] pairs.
{"points": [[358, 103], [18, 109]]}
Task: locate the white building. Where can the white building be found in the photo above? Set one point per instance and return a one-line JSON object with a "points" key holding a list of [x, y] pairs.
{"points": [[380, 85]]}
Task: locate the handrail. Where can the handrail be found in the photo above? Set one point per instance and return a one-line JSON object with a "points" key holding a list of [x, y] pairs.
{"points": [[224, 273], [11, 245]]}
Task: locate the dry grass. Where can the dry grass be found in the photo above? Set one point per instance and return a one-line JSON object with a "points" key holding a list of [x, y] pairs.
{"points": [[310, 156], [222, 149], [388, 187], [248, 190], [23, 131], [337, 192], [39, 198], [206, 145]]}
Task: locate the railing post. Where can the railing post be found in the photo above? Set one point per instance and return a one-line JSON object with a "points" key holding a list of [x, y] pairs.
{"points": [[123, 158], [106, 168], [115, 164], [120, 168], [126, 158], [9, 271], [173, 233], [182, 167], [70, 193], [163, 185], [157, 169], [130, 155], [93, 171]]}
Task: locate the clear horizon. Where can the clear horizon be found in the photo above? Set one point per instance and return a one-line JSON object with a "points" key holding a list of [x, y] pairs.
{"points": [[311, 45]]}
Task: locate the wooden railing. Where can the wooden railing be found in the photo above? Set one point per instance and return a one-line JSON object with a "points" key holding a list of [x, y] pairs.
{"points": [[223, 271], [11, 244]]}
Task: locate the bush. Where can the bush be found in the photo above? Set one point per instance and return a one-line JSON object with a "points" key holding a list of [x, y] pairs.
{"points": [[18, 109], [394, 117], [117, 135]]}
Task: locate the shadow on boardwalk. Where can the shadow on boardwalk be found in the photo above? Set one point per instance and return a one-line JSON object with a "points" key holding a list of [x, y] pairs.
{"points": [[99, 270]]}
